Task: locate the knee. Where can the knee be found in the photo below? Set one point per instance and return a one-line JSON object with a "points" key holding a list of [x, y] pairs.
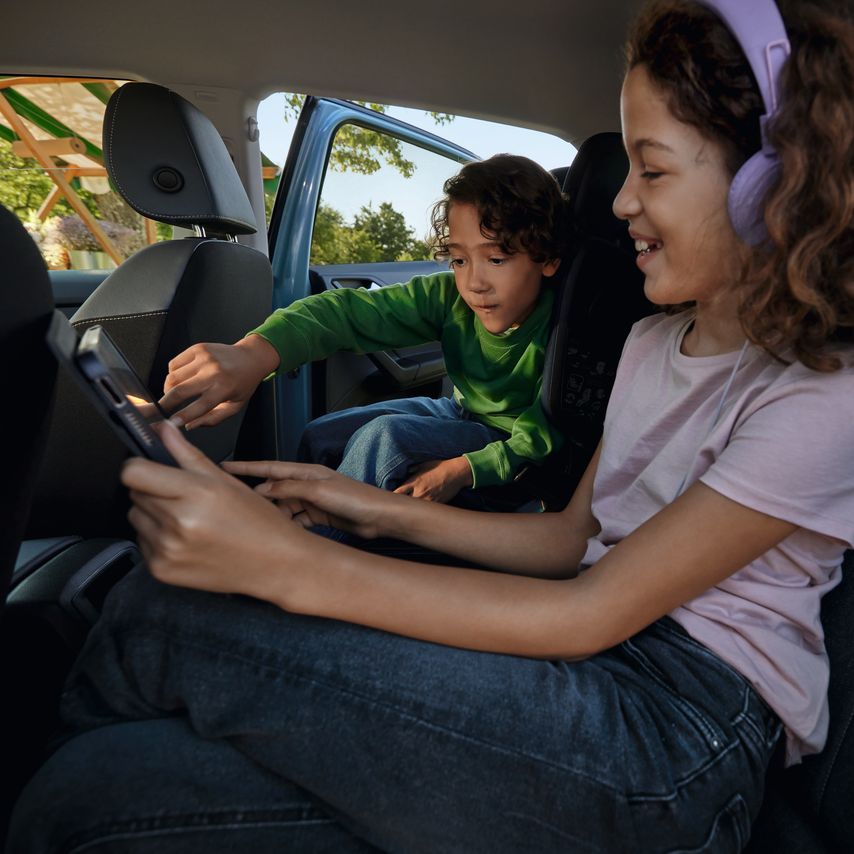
{"points": [[319, 441], [57, 804], [379, 452], [385, 437]]}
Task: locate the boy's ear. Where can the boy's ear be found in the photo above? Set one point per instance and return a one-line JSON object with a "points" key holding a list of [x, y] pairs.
{"points": [[551, 267]]}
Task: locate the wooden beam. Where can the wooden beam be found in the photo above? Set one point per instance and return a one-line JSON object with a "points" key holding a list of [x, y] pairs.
{"points": [[54, 196], [51, 147], [48, 204], [6, 82], [59, 179], [84, 171], [150, 231]]}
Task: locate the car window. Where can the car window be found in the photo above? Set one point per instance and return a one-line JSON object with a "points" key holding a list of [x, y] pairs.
{"points": [[378, 193], [52, 173]]}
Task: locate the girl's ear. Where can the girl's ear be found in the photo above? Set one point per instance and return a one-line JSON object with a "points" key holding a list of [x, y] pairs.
{"points": [[550, 267]]}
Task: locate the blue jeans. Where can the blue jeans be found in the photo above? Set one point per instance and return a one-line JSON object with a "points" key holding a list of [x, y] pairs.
{"points": [[380, 443], [204, 722]]}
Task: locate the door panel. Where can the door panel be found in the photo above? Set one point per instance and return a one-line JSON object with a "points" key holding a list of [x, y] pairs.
{"points": [[347, 379], [303, 214]]}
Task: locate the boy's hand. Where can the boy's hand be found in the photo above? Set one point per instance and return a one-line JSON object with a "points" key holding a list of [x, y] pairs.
{"points": [[438, 480], [218, 378]]}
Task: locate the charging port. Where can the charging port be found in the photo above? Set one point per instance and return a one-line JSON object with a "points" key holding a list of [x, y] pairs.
{"points": [[110, 391]]}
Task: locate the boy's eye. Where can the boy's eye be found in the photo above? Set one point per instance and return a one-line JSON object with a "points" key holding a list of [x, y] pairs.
{"points": [[497, 261], [650, 176], [456, 262]]}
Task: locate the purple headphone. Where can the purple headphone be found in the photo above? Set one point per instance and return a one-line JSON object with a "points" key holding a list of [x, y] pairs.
{"points": [[758, 28]]}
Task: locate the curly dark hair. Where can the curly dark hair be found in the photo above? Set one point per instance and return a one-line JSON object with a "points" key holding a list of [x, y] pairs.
{"points": [[520, 205], [797, 289]]}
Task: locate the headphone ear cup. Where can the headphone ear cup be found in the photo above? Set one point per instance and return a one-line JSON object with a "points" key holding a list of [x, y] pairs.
{"points": [[747, 193]]}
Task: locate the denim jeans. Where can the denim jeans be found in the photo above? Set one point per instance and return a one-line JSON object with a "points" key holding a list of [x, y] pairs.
{"points": [[378, 444], [204, 722]]}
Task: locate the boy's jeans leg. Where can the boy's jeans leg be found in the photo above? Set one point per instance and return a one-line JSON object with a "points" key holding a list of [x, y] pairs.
{"points": [[418, 747], [324, 438], [384, 450]]}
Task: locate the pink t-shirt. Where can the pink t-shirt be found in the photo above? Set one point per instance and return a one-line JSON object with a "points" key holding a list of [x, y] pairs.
{"points": [[782, 444]]}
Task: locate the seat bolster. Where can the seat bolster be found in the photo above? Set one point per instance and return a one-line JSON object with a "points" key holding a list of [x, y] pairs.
{"points": [[144, 284]]}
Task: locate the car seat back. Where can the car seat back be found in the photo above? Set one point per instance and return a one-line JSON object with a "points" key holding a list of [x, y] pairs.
{"points": [[599, 296], [170, 164], [806, 807], [28, 372]]}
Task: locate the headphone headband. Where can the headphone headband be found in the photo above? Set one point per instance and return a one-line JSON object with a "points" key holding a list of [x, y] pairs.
{"points": [[758, 28]]}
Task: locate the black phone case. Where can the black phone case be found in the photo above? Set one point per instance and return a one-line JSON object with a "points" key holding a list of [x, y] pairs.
{"points": [[93, 375]]}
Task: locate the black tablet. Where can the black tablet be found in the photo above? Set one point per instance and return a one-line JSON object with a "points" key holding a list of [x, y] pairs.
{"points": [[111, 384]]}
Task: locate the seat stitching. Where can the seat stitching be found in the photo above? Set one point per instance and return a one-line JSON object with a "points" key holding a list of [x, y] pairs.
{"points": [[118, 317]]}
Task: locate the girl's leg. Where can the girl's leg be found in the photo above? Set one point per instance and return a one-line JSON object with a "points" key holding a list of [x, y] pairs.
{"points": [[419, 747], [157, 786], [324, 439]]}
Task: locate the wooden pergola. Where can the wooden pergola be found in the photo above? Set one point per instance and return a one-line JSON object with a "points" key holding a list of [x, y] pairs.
{"points": [[57, 144]]}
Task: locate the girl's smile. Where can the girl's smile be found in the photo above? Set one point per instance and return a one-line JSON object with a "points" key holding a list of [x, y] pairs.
{"points": [[674, 199]]}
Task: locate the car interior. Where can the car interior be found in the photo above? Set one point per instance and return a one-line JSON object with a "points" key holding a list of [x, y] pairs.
{"points": [[179, 148]]}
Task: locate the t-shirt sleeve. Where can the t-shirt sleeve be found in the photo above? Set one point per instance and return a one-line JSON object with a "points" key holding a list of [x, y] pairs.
{"points": [[531, 440], [359, 320], [792, 456]]}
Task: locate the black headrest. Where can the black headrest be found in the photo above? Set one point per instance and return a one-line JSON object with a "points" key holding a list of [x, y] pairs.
{"points": [[592, 183], [170, 164]]}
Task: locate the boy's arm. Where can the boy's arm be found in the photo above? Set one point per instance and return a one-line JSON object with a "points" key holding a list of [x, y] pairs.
{"points": [[220, 378], [358, 320], [531, 440]]}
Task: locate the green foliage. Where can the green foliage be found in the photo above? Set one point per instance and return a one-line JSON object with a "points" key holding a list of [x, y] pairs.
{"points": [[375, 236], [24, 186], [332, 239], [357, 149]]}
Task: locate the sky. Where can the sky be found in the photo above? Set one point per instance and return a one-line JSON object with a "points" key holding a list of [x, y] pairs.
{"points": [[348, 193]]}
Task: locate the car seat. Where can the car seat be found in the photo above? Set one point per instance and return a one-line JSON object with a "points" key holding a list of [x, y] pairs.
{"points": [[29, 370], [806, 807], [599, 295], [169, 163], [28, 373]]}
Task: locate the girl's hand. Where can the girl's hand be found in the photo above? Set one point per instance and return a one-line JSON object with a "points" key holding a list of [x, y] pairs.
{"points": [[438, 480], [198, 527], [217, 378], [317, 495]]}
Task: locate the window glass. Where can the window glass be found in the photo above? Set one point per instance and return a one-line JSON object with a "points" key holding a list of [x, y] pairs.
{"points": [[52, 173], [378, 193]]}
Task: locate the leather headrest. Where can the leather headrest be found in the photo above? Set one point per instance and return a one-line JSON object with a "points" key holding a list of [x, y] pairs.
{"points": [[169, 163], [595, 177]]}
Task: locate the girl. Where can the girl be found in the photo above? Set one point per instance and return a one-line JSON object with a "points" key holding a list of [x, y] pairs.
{"points": [[349, 702]]}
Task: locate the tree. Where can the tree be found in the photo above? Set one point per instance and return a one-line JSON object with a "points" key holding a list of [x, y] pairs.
{"points": [[375, 236], [386, 230], [331, 241], [361, 150]]}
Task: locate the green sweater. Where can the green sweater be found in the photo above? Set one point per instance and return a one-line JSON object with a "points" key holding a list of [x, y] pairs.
{"points": [[497, 378]]}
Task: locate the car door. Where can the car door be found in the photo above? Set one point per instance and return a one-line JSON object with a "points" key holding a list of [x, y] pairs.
{"points": [[383, 246]]}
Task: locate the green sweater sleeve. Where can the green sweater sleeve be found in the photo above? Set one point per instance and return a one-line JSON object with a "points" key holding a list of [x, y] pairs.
{"points": [[532, 439], [359, 320]]}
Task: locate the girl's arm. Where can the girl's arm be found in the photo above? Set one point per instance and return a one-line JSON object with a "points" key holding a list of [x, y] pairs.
{"points": [[200, 528], [540, 544]]}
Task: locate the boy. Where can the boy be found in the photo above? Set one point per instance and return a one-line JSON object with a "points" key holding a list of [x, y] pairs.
{"points": [[500, 224]]}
